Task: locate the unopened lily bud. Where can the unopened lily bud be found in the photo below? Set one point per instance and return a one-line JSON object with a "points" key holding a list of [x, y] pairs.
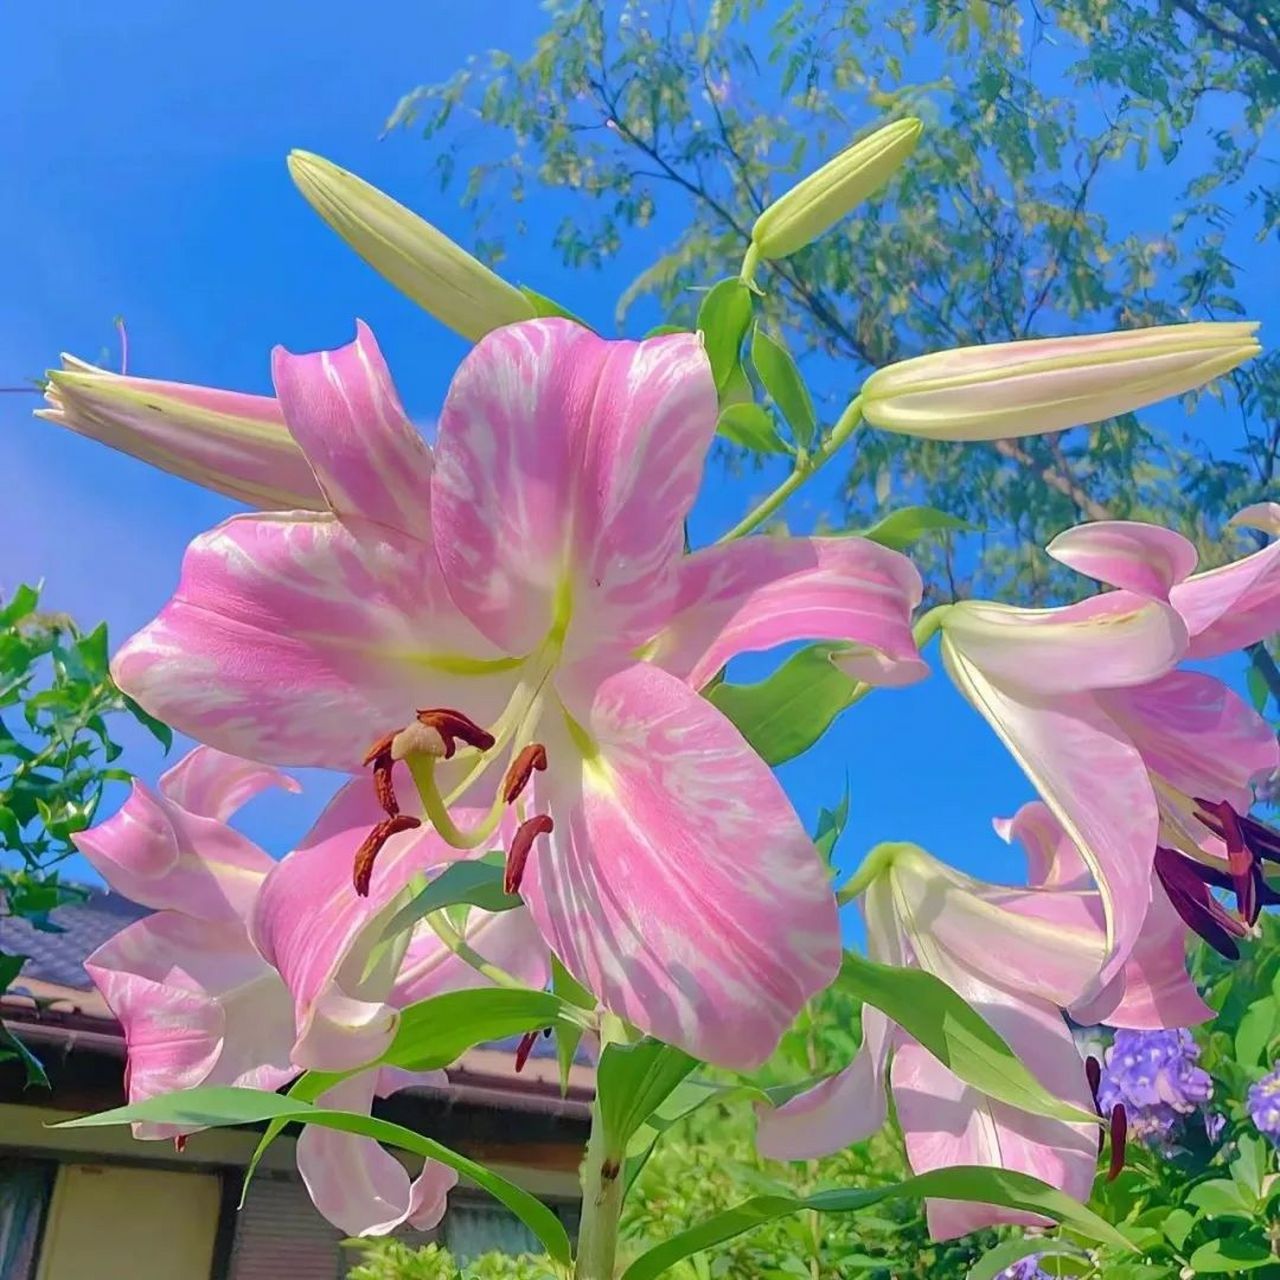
{"points": [[420, 261], [227, 441], [1049, 384], [814, 205]]}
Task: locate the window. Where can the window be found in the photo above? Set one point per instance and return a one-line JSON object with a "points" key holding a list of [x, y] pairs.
{"points": [[25, 1186]]}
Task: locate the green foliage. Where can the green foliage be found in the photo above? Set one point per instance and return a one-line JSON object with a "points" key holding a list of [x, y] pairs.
{"points": [[56, 752], [384, 1259]]}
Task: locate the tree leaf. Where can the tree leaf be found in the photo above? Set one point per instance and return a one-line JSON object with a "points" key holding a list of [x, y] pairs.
{"points": [[217, 1106], [749, 425], [831, 823], [955, 1033], [723, 319], [899, 529], [475, 882], [157, 728], [1230, 1256], [783, 715], [981, 1184], [10, 967], [632, 1081], [781, 378]]}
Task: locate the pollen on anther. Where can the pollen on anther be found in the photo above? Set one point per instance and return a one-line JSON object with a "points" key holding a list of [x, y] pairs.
{"points": [[371, 846], [521, 843]]}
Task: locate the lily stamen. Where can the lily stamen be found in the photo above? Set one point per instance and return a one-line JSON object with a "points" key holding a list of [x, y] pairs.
{"points": [[521, 844], [1119, 1135], [1187, 884], [532, 757], [371, 846]]}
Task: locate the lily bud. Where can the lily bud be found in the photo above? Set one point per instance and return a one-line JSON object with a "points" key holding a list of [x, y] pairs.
{"points": [[227, 441], [1049, 384], [440, 276], [816, 204]]}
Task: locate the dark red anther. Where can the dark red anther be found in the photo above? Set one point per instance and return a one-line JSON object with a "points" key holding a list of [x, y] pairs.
{"points": [[525, 1048], [526, 833], [1093, 1074], [1186, 883], [1119, 1134], [534, 756], [379, 755], [180, 1143], [371, 846], [454, 727], [1240, 858]]}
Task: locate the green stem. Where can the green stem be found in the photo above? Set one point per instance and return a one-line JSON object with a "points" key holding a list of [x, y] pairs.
{"points": [[467, 953], [601, 1205], [805, 467]]}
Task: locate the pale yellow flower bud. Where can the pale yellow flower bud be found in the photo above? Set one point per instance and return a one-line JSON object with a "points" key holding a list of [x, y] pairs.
{"points": [[420, 261], [1049, 384], [816, 204]]}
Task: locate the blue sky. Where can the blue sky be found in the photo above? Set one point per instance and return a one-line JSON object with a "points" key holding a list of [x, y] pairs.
{"points": [[145, 177]]}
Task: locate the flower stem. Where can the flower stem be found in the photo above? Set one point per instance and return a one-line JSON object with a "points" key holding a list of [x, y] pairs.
{"points": [[602, 1191], [805, 467]]}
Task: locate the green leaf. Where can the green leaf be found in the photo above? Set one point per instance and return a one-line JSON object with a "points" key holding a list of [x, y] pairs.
{"points": [[474, 882], [831, 823], [217, 1106], [1177, 1225], [783, 715], [157, 728], [24, 602], [750, 426], [1004, 1255], [10, 967], [1260, 1021], [12, 1047], [544, 306], [723, 319], [632, 1081], [1259, 692], [982, 1184], [1250, 1167], [1219, 1197], [956, 1034], [781, 378], [899, 529], [1230, 1256], [436, 1032], [568, 1035]]}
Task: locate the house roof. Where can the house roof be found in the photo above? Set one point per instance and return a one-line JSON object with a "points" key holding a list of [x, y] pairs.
{"points": [[54, 999]]}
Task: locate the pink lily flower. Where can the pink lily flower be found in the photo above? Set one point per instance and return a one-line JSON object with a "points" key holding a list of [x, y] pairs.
{"points": [[1130, 754], [1018, 957], [200, 1005], [524, 591]]}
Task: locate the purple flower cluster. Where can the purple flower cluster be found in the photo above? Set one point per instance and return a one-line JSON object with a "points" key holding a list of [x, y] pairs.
{"points": [[1024, 1269], [1263, 1104], [1155, 1076]]}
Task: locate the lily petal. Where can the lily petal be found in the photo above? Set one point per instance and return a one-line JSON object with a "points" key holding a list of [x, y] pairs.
{"points": [[214, 785], [1143, 558], [342, 409], [169, 971], [1108, 641], [159, 853], [232, 443], [761, 592], [358, 1185], [565, 466], [678, 883], [1053, 861], [326, 940], [1154, 989], [1197, 736], [1094, 780], [294, 641], [1232, 607], [845, 1108], [946, 1122]]}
